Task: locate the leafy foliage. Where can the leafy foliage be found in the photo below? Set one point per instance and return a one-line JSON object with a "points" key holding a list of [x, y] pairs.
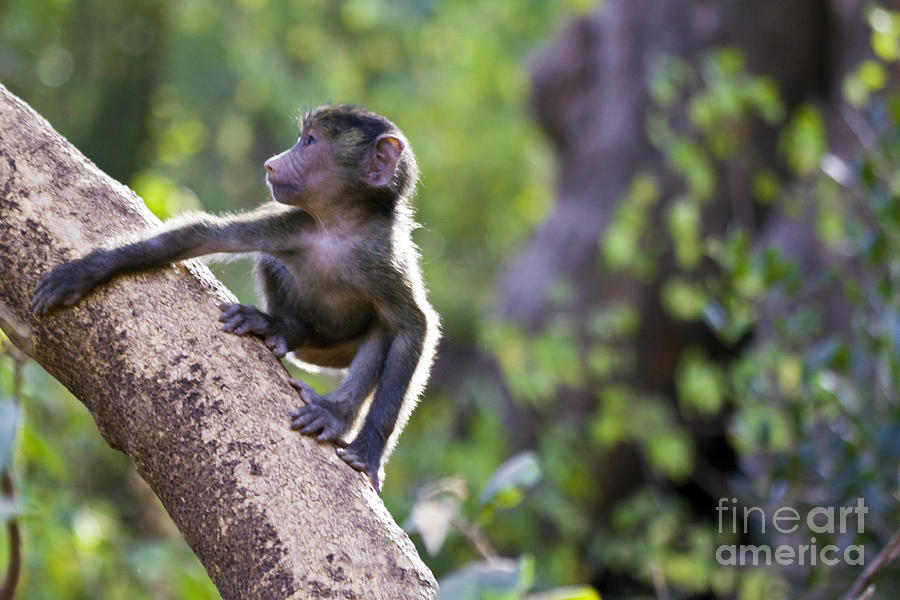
{"points": [[183, 101], [810, 395]]}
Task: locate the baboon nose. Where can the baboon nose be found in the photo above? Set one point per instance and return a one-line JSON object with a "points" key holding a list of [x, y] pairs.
{"points": [[270, 165]]}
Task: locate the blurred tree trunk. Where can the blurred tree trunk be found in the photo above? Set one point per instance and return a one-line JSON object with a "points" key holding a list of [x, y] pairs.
{"points": [[590, 95], [122, 50], [203, 414]]}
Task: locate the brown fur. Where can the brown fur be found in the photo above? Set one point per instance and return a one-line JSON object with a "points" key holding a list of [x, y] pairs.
{"points": [[336, 269]]}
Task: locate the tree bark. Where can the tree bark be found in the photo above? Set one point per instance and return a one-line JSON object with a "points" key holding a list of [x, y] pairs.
{"points": [[203, 414]]}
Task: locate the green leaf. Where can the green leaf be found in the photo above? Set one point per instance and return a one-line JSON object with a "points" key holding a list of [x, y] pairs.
{"points": [[668, 77], [9, 424], [885, 29], [884, 21], [684, 225], [700, 384], [886, 46], [359, 15], [766, 186], [670, 452], [803, 140], [431, 518], [644, 189], [702, 112], [620, 245], [873, 75], [575, 592], [683, 299], [764, 96], [507, 485], [495, 579], [724, 62], [601, 361], [688, 158], [162, 196], [854, 90], [610, 426]]}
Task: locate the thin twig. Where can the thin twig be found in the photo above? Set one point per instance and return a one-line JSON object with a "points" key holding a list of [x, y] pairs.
{"points": [[19, 359], [475, 537], [14, 565], [858, 127], [887, 554], [14, 535], [867, 595], [659, 582]]}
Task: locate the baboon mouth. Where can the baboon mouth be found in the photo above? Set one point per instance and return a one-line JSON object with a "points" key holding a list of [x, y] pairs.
{"points": [[282, 190]]}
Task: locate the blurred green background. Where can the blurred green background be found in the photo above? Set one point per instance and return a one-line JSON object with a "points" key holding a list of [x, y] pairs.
{"points": [[183, 101]]}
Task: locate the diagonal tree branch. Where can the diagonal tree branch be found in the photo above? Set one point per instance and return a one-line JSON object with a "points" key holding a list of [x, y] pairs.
{"points": [[861, 588], [203, 414]]}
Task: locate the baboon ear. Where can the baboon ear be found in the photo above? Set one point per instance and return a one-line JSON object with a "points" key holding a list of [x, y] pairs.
{"points": [[384, 160]]}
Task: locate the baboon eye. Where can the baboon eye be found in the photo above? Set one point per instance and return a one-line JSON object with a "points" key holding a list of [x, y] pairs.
{"points": [[310, 140]]}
